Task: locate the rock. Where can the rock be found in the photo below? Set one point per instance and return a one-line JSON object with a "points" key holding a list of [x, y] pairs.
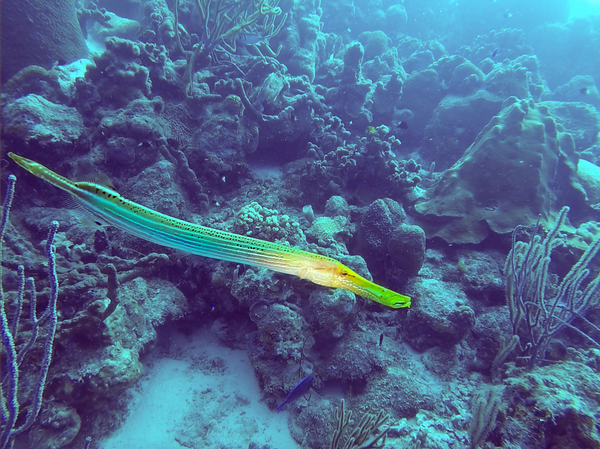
{"points": [[517, 169]]}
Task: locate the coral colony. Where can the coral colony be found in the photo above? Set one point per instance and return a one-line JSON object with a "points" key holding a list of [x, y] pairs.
{"points": [[300, 224]]}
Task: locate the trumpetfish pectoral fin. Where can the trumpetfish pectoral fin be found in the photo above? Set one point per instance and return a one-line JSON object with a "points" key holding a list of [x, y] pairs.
{"points": [[108, 206]]}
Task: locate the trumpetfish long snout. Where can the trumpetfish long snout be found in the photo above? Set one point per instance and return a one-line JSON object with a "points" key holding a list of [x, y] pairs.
{"points": [[110, 207]]}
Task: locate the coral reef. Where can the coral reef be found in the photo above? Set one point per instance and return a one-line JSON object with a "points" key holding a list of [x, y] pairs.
{"points": [[524, 183], [406, 141], [561, 413], [453, 127], [40, 123], [117, 76], [43, 41]]}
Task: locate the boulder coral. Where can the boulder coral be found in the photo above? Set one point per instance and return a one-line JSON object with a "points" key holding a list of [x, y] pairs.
{"points": [[37, 122], [455, 125], [545, 411], [421, 94], [396, 17], [518, 166], [441, 317], [588, 175], [466, 78], [579, 119], [54, 35], [509, 78], [391, 247], [376, 43]]}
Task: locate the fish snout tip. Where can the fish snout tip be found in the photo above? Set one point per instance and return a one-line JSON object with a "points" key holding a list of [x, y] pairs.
{"points": [[18, 159], [402, 303]]}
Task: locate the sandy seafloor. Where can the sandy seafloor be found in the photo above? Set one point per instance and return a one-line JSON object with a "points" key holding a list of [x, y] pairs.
{"points": [[199, 393]]}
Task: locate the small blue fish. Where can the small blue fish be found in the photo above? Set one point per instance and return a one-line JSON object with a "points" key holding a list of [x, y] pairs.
{"points": [[299, 390], [250, 38]]}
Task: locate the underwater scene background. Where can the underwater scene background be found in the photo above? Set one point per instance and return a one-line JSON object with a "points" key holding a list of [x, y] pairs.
{"points": [[432, 166]]}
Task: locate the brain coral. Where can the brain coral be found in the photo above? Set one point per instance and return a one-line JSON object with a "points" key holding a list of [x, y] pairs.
{"points": [[518, 166]]}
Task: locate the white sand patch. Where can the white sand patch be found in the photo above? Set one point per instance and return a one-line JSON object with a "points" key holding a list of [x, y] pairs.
{"points": [[202, 395]]}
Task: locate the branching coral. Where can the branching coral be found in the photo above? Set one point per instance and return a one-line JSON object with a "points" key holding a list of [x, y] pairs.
{"points": [[537, 317], [227, 21], [11, 400], [486, 405], [368, 164], [360, 438]]}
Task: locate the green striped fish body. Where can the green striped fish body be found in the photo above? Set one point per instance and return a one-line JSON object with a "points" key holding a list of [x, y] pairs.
{"points": [[110, 207]]}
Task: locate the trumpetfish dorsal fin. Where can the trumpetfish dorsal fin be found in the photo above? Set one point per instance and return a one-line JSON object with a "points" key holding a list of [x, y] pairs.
{"points": [[83, 215], [101, 179]]}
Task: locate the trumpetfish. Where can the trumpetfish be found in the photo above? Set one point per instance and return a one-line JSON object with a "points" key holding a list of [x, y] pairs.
{"points": [[109, 206]]}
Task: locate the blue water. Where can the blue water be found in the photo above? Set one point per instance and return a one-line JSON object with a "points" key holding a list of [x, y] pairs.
{"points": [[449, 151]]}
